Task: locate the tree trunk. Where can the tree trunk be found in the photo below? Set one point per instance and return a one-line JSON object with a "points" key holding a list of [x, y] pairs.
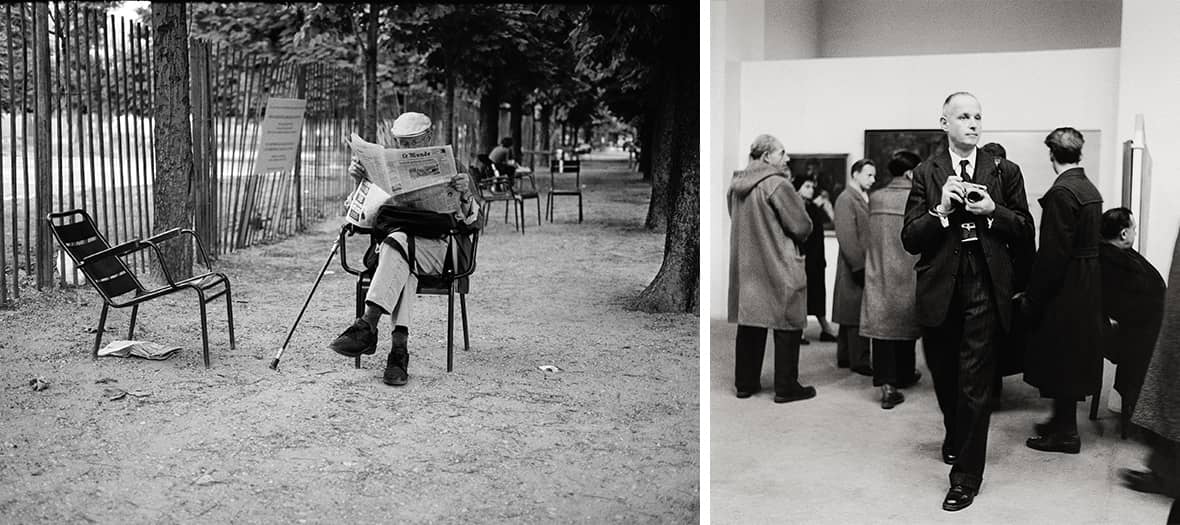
{"points": [[174, 141], [43, 146], [676, 287], [448, 117], [662, 165], [546, 140], [369, 119], [647, 138], [516, 126], [489, 119]]}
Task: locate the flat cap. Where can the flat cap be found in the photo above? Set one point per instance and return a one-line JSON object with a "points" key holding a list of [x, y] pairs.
{"points": [[410, 124]]}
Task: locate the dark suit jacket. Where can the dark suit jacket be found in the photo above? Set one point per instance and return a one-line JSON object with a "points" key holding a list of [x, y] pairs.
{"points": [[922, 234]]}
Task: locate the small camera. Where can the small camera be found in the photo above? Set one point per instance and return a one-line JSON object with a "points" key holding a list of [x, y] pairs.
{"points": [[975, 192]]}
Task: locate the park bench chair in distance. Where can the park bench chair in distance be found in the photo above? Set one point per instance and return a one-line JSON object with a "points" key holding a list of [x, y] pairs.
{"points": [[494, 187], [558, 168], [452, 281], [119, 287], [522, 192]]}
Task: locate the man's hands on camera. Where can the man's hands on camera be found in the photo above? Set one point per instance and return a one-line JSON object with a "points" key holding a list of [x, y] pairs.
{"points": [[983, 203], [953, 193]]}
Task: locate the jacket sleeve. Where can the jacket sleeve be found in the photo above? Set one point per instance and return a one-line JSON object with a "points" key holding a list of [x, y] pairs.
{"points": [[1058, 217], [792, 214], [1013, 223], [850, 234], [920, 230]]}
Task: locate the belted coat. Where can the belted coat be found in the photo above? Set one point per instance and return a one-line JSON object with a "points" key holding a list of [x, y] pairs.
{"points": [[887, 310], [1064, 354]]}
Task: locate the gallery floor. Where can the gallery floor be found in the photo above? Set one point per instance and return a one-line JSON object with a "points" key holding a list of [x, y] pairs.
{"points": [[840, 458]]}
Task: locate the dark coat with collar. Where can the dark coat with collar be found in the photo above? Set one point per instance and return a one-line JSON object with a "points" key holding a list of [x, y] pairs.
{"points": [[1133, 295], [1064, 355], [938, 265]]}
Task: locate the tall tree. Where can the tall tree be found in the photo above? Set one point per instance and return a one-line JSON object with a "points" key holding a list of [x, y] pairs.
{"points": [[173, 137]]}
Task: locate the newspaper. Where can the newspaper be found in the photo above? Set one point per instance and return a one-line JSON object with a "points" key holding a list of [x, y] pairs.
{"points": [[361, 206], [416, 177]]}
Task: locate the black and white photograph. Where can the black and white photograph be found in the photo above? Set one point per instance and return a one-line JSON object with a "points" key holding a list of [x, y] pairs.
{"points": [[349, 262], [986, 334]]}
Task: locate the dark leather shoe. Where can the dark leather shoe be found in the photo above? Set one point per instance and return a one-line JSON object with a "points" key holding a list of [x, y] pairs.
{"points": [[890, 397], [741, 394], [360, 338], [806, 392], [825, 337], [1056, 442], [1143, 481], [912, 381], [958, 497], [866, 371], [804, 342], [949, 458], [398, 363]]}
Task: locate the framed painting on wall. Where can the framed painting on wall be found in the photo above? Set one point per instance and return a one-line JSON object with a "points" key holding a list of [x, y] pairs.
{"points": [[881, 143], [829, 170]]}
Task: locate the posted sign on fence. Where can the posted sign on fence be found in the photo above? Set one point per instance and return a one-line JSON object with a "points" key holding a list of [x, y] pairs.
{"points": [[280, 134]]}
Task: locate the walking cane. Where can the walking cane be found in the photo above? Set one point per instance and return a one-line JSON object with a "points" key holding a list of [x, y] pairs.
{"points": [[274, 364]]}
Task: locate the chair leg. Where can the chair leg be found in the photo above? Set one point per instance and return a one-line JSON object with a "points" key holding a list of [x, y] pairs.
{"points": [[579, 207], [229, 315], [538, 211], [131, 329], [102, 322], [1094, 404], [549, 207], [450, 327], [463, 309], [520, 211], [204, 329], [505, 212]]}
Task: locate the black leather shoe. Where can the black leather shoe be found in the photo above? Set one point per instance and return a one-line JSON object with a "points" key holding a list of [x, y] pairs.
{"points": [[825, 337], [890, 397], [913, 380], [1056, 442], [806, 392], [958, 497], [1143, 481], [360, 338], [864, 371], [741, 394], [398, 363], [804, 342]]}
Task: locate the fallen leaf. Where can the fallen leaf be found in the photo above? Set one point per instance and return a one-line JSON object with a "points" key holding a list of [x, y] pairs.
{"points": [[106, 380], [139, 393], [114, 394], [205, 480], [38, 384], [548, 368]]}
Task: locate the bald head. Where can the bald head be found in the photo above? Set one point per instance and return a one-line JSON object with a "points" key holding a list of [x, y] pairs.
{"points": [[962, 120]]}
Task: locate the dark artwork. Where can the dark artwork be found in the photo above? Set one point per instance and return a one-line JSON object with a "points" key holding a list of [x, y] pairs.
{"points": [[829, 170], [881, 143]]}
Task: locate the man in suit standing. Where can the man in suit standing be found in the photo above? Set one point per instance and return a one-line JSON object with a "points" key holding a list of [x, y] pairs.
{"points": [[960, 217]]}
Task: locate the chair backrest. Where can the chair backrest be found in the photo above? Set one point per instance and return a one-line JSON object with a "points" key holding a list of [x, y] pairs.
{"points": [[557, 166], [77, 234]]}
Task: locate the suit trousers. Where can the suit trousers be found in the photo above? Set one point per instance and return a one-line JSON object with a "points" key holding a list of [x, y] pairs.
{"points": [[852, 350], [750, 349], [893, 362], [962, 363]]}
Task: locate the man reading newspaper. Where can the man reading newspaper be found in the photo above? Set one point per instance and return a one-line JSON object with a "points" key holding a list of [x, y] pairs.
{"points": [[422, 180]]}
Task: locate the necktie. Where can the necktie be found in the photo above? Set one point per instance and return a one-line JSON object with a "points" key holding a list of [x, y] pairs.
{"points": [[963, 170]]}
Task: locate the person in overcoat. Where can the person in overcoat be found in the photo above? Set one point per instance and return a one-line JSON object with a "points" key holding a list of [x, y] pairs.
{"points": [[767, 283], [887, 315], [1158, 408], [1133, 301], [819, 210], [964, 290], [1064, 299], [852, 231]]}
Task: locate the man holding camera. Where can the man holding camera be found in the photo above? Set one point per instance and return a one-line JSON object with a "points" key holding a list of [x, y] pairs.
{"points": [[961, 216]]}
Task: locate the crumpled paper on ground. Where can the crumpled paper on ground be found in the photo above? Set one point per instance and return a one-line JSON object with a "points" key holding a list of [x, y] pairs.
{"points": [[144, 349]]}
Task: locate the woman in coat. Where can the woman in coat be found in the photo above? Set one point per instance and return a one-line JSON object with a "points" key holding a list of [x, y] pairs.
{"points": [[852, 230], [1064, 299], [819, 210], [767, 283], [887, 315]]}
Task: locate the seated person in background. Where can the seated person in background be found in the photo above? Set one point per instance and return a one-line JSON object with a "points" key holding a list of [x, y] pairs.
{"points": [[395, 280], [1133, 301], [502, 154]]}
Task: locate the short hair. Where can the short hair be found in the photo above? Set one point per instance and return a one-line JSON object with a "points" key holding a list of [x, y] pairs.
{"points": [[1113, 222], [950, 97], [903, 161], [506, 142], [764, 144], [995, 150], [799, 180], [859, 165], [1065, 145]]}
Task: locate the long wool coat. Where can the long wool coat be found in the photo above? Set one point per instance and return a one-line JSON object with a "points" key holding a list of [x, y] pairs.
{"points": [[1064, 355], [887, 311], [767, 279], [1158, 409], [1133, 295], [852, 233]]}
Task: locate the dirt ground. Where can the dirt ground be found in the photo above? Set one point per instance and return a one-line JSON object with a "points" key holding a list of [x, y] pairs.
{"points": [[612, 436]]}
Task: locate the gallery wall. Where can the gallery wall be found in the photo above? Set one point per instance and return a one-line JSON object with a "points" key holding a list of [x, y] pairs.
{"points": [[824, 106]]}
